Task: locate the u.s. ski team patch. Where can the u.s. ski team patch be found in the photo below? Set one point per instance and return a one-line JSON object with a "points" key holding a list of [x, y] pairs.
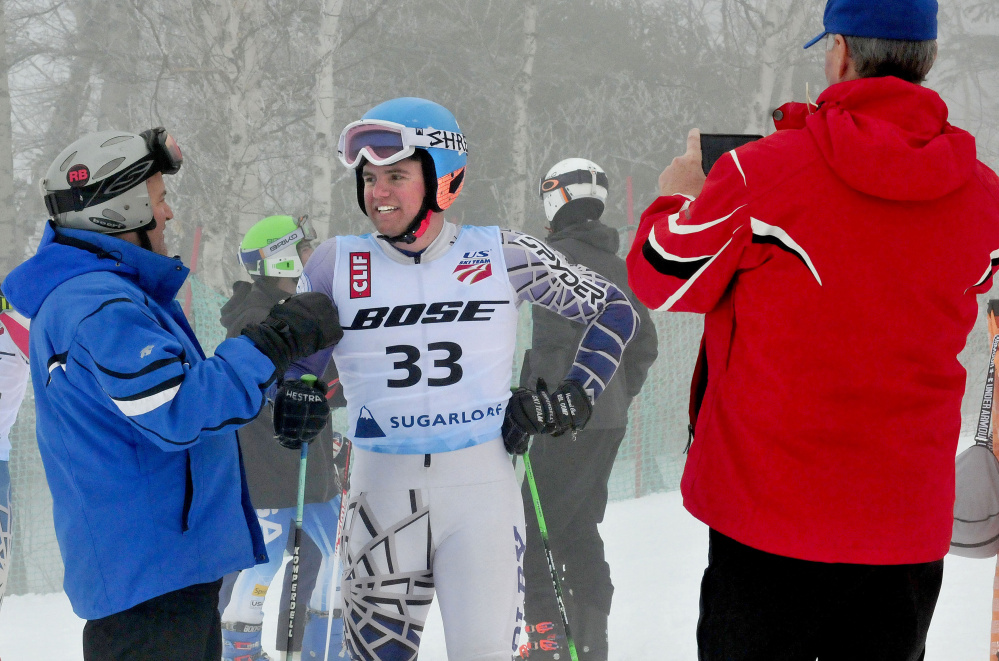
{"points": [[473, 267]]}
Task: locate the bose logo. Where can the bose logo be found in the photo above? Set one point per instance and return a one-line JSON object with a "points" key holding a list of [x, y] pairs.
{"points": [[413, 313]]}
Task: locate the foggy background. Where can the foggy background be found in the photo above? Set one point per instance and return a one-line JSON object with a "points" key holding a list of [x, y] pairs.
{"points": [[257, 91]]}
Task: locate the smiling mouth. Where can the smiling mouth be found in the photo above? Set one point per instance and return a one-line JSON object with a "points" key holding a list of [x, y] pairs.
{"points": [[385, 209]]}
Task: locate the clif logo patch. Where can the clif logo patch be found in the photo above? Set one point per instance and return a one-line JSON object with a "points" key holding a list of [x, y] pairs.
{"points": [[360, 275], [78, 176], [473, 267]]}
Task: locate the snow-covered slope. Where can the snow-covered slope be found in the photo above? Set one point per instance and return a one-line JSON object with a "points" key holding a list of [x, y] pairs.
{"points": [[657, 553]]}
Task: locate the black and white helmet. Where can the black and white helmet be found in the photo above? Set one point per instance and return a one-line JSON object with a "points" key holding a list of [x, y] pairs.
{"points": [[98, 182], [575, 182]]}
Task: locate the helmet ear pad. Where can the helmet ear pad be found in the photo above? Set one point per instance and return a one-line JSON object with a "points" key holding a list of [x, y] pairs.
{"points": [[359, 176], [429, 180]]}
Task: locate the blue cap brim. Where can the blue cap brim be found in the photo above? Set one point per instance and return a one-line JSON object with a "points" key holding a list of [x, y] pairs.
{"points": [[815, 40]]}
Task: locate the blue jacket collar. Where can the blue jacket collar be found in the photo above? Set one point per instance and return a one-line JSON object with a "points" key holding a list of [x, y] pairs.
{"points": [[80, 252]]}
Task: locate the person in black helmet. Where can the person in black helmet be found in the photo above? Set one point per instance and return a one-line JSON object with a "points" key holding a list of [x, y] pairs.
{"points": [[136, 428]]}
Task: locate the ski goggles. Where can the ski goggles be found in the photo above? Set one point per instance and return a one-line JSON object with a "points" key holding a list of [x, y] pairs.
{"points": [[569, 178], [382, 142], [4, 304], [165, 150], [303, 232]]}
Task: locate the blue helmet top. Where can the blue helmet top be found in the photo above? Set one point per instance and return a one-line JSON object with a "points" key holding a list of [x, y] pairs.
{"points": [[448, 164]]}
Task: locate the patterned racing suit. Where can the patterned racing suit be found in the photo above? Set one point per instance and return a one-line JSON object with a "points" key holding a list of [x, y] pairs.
{"points": [[426, 366]]}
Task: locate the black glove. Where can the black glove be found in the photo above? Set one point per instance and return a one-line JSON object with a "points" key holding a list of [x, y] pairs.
{"points": [[300, 412], [515, 440], [531, 412], [296, 328], [571, 407]]}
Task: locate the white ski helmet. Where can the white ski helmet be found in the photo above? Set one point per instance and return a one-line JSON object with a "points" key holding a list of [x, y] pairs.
{"points": [[98, 182], [574, 179]]}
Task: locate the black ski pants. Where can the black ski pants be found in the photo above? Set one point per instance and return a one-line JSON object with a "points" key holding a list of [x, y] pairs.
{"points": [[572, 484], [757, 606], [183, 625]]}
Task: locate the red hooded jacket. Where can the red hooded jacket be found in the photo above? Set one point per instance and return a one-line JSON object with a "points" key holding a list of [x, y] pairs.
{"points": [[837, 265]]}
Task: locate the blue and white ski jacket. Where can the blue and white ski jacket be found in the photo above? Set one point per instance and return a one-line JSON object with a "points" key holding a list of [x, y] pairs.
{"points": [[136, 428]]}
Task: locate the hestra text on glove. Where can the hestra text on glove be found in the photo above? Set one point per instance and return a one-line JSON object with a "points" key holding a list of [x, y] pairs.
{"points": [[300, 412]]}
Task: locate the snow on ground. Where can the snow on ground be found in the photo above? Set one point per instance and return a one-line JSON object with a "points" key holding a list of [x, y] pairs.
{"points": [[657, 552]]}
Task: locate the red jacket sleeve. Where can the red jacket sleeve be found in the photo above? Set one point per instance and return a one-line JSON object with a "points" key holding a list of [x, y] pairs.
{"points": [[687, 251]]}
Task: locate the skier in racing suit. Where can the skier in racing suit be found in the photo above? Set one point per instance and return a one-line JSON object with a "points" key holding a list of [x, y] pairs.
{"points": [[430, 313], [13, 384]]}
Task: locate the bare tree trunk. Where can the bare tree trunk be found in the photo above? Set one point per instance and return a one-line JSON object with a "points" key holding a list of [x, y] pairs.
{"points": [[246, 112], [519, 176], [779, 36], [768, 57], [118, 74], [786, 93], [9, 226], [70, 106], [325, 140], [233, 31]]}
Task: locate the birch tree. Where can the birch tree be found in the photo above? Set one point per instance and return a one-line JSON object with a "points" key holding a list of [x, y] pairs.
{"points": [[519, 175], [70, 98], [324, 116], [779, 32], [118, 68], [9, 227]]}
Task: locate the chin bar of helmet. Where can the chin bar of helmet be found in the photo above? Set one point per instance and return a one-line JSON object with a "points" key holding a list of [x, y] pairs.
{"points": [[416, 229]]}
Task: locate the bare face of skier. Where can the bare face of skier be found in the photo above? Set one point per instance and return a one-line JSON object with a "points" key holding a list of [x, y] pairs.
{"points": [[393, 194], [161, 213]]}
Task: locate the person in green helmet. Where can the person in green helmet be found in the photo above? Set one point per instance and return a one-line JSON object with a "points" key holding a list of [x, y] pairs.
{"points": [[274, 252]]}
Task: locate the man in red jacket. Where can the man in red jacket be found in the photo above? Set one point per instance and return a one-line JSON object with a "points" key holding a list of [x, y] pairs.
{"points": [[837, 264]]}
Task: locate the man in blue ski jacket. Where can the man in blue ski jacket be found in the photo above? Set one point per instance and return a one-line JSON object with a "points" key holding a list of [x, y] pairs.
{"points": [[136, 427]]}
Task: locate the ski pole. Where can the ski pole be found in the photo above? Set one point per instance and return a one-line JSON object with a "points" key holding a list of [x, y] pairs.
{"points": [[299, 510], [548, 554], [336, 548]]}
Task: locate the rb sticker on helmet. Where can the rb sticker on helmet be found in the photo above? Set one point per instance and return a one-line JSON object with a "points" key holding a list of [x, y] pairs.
{"points": [[78, 175]]}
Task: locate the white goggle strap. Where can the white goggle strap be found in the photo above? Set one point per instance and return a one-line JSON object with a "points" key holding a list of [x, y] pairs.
{"points": [[248, 256], [438, 138], [272, 249]]}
